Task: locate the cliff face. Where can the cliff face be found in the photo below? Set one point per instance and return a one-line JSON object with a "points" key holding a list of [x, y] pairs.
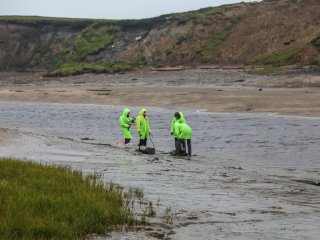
{"points": [[276, 32], [25, 46], [270, 32]]}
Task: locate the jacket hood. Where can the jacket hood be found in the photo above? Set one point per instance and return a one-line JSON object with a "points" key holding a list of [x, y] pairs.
{"points": [[182, 119], [125, 112], [142, 111]]}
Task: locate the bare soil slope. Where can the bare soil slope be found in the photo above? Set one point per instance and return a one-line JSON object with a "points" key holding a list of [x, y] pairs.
{"points": [[278, 32]]}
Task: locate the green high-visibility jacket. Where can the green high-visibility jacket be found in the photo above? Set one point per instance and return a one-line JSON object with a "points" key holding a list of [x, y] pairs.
{"points": [[143, 126], [174, 124], [184, 130], [125, 123]]}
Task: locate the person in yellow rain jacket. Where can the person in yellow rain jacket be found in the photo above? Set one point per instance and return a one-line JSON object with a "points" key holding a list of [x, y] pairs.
{"points": [[143, 127], [174, 123], [176, 118], [183, 132], [126, 122]]}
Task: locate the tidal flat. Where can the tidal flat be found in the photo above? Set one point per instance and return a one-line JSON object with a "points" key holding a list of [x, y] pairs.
{"points": [[254, 173]]}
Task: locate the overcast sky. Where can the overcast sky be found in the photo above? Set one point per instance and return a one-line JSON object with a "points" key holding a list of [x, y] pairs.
{"points": [[107, 9]]}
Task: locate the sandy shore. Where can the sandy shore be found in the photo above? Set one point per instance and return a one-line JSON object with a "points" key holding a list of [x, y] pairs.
{"points": [[214, 90], [303, 102]]}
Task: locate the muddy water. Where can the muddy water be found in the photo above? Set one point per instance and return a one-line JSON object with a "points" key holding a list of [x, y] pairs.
{"points": [[252, 176], [257, 139]]}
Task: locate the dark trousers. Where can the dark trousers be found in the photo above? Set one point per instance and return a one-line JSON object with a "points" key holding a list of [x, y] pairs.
{"points": [[181, 146], [127, 140], [182, 142], [142, 142]]}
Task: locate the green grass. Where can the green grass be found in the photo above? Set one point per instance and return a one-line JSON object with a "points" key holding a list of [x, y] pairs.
{"points": [[267, 70], [52, 202], [315, 62], [203, 16], [279, 58], [316, 41], [93, 39], [35, 20], [206, 16], [77, 23], [70, 68], [80, 68], [184, 38], [73, 68], [283, 57], [139, 60], [210, 49]]}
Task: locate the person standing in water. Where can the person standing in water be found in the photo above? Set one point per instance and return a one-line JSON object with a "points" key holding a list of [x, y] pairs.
{"points": [[184, 132], [173, 129], [126, 122], [143, 127]]}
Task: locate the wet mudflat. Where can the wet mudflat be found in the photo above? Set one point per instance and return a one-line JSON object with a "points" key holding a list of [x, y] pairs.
{"points": [[213, 90], [252, 176]]}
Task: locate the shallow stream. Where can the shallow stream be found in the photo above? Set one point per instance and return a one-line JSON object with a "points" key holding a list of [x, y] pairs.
{"points": [[252, 176]]}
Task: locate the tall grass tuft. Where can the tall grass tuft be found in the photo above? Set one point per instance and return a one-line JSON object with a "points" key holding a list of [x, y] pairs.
{"points": [[54, 202]]}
